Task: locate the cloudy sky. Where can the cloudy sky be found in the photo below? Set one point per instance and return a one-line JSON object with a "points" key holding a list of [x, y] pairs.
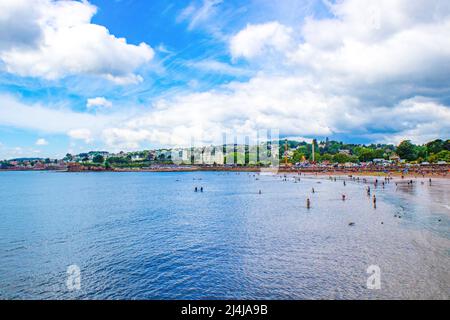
{"points": [[134, 74]]}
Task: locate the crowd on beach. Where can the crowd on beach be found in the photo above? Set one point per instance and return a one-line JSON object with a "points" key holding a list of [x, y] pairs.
{"points": [[396, 170]]}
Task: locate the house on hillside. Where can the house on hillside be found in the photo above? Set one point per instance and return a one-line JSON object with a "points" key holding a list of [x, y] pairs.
{"points": [[394, 157], [346, 152], [137, 157]]}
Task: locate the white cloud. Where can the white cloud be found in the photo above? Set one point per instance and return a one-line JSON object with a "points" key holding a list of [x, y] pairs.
{"points": [[52, 120], [124, 138], [256, 40], [81, 134], [98, 102], [296, 106], [41, 142], [18, 152], [377, 70], [198, 14], [218, 67], [418, 119], [18, 27], [55, 39], [163, 49], [378, 42], [300, 139]]}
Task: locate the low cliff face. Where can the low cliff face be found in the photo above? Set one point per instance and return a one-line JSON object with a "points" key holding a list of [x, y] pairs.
{"points": [[74, 167]]}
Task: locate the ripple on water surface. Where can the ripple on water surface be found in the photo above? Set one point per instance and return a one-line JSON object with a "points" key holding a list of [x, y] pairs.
{"points": [[150, 236]]}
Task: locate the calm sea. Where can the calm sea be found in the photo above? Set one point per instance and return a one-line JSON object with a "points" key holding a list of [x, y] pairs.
{"points": [[150, 236]]}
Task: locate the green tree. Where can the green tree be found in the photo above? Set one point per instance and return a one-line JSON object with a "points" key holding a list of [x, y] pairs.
{"points": [[407, 150], [326, 157], [304, 150], [334, 147], [298, 156], [365, 154], [68, 157], [446, 145], [342, 158], [444, 155], [98, 159], [435, 146], [422, 152]]}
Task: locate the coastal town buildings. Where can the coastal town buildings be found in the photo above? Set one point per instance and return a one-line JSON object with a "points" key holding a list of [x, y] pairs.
{"points": [[296, 154]]}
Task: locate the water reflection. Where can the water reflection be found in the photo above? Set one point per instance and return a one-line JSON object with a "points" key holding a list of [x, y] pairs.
{"points": [[150, 236]]}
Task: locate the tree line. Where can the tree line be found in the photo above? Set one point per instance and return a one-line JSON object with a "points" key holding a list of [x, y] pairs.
{"points": [[334, 151]]}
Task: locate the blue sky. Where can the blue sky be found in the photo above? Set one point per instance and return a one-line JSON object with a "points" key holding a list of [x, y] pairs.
{"points": [[134, 74]]}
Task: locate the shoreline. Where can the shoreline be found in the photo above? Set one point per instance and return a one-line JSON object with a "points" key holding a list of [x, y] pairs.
{"points": [[442, 173]]}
